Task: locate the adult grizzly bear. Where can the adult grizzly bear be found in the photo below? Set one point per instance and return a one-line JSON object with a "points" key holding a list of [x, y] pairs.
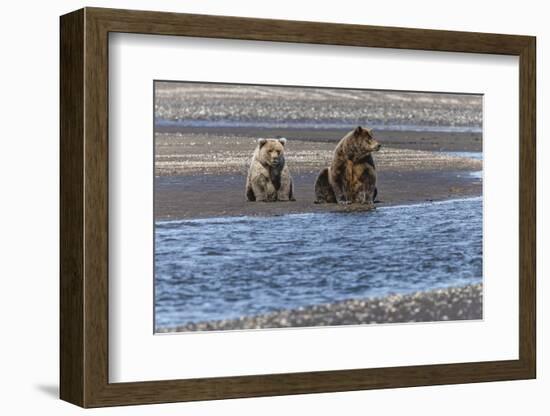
{"points": [[351, 176], [268, 177]]}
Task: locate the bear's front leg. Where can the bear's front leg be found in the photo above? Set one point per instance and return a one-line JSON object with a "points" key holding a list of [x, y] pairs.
{"points": [[368, 186], [366, 196], [249, 192], [285, 196], [264, 189], [341, 195], [337, 177], [286, 191]]}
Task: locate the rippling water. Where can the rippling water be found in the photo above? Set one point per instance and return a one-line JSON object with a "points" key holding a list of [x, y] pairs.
{"points": [[221, 268]]}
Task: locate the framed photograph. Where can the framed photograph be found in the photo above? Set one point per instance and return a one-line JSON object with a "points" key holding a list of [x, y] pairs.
{"points": [[254, 207]]}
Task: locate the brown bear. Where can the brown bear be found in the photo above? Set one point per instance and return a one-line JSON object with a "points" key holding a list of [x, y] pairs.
{"points": [[268, 177], [351, 176]]}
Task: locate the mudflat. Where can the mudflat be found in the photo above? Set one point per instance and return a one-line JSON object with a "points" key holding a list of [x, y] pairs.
{"points": [[201, 172]]}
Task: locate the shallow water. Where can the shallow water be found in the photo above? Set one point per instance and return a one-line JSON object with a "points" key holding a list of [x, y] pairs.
{"points": [[314, 125], [478, 174], [469, 155], [219, 268]]}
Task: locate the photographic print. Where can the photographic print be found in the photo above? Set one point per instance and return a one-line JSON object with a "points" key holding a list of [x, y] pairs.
{"points": [[313, 219], [296, 206]]}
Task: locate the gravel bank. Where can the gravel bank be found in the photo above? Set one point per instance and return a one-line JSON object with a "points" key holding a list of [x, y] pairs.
{"points": [[179, 101], [451, 304]]}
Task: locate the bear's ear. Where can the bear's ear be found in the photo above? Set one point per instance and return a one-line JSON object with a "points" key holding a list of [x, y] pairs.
{"points": [[261, 142], [282, 140], [358, 131]]}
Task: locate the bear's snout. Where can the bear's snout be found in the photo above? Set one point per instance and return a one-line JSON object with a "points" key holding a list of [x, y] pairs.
{"points": [[276, 161], [378, 147]]}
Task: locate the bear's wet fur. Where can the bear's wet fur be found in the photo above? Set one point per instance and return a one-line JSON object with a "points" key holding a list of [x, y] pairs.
{"points": [[351, 176]]}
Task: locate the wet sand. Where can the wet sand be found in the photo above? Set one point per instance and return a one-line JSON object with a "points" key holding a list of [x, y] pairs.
{"points": [[449, 304], [202, 172]]}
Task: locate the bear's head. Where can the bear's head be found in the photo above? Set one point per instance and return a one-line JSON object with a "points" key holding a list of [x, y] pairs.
{"points": [[272, 151], [363, 142]]}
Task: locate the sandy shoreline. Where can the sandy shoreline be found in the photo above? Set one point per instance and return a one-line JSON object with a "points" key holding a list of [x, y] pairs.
{"points": [[449, 304], [202, 174]]}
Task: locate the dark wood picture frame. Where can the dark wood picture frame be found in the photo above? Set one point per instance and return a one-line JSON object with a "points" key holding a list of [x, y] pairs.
{"points": [[84, 207]]}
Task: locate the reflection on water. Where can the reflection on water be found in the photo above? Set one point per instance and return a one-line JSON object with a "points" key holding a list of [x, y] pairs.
{"points": [[222, 268]]}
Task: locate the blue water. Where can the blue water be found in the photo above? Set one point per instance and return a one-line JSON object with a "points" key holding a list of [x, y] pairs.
{"points": [[470, 155], [221, 268], [313, 125]]}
